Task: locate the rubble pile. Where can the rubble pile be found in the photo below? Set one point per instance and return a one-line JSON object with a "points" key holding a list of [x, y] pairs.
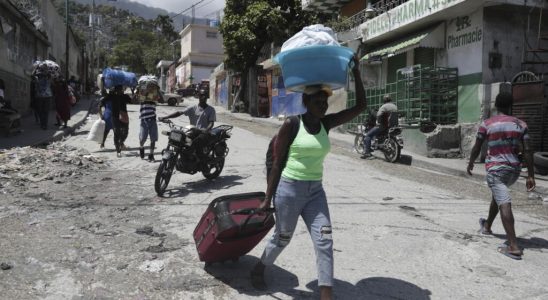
{"points": [[21, 165]]}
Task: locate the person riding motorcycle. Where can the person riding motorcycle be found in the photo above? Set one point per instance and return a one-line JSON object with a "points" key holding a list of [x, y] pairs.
{"points": [[203, 117], [383, 115]]}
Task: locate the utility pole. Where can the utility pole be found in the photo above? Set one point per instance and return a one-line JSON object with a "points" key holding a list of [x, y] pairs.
{"points": [[67, 40], [92, 58]]}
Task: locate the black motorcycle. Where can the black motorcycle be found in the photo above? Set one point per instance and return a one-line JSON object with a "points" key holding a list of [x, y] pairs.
{"points": [[389, 142], [181, 155]]}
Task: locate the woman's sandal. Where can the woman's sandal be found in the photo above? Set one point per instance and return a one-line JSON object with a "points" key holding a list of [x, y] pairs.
{"points": [[257, 281]]}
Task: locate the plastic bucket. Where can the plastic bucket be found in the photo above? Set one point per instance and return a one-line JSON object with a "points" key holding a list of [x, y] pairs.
{"points": [[312, 65]]}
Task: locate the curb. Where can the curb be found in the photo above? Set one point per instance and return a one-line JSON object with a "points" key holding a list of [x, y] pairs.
{"points": [[67, 131]]}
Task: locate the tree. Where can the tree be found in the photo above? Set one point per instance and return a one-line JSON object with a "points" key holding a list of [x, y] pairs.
{"points": [[129, 53], [165, 24], [248, 25]]}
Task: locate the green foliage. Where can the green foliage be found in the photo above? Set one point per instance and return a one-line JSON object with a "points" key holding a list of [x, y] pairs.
{"points": [[249, 25], [165, 24], [128, 53]]}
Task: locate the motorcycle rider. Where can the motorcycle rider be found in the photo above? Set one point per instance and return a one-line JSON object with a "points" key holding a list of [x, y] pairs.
{"points": [[203, 117], [383, 115]]}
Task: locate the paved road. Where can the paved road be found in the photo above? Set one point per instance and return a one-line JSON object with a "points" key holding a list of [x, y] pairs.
{"points": [[400, 233]]}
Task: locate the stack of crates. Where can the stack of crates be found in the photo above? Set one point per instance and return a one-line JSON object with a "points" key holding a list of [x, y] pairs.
{"points": [[428, 94]]}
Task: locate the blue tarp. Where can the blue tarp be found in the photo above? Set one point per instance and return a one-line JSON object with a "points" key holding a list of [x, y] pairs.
{"points": [[223, 94], [285, 102], [113, 78]]}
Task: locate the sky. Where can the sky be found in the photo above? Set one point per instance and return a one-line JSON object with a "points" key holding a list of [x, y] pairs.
{"points": [[205, 8]]}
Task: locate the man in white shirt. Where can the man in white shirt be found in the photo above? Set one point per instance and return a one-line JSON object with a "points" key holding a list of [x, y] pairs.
{"points": [[382, 124]]}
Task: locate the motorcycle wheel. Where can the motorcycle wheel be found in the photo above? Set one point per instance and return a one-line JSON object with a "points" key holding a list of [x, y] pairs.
{"points": [[212, 170], [163, 175], [392, 150], [358, 144]]}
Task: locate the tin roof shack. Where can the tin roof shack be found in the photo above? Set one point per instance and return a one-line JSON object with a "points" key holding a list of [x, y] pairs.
{"points": [[20, 44]]}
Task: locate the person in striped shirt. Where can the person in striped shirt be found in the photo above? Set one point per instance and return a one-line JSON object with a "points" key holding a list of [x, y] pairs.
{"points": [[506, 137], [149, 127]]}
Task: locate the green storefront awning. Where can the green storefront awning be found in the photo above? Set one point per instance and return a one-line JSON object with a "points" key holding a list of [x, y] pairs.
{"points": [[433, 38]]}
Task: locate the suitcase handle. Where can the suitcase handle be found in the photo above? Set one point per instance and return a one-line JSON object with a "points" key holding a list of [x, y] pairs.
{"points": [[250, 212]]}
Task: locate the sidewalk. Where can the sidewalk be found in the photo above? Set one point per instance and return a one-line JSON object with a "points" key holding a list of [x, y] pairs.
{"points": [[32, 135]]}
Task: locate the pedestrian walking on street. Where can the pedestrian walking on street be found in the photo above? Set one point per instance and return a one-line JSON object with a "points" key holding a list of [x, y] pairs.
{"points": [[149, 127], [115, 112], [105, 112], [62, 102], [43, 94], [297, 189], [506, 137]]}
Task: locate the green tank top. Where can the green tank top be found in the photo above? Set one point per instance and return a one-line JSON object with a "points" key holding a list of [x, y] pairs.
{"points": [[306, 155]]}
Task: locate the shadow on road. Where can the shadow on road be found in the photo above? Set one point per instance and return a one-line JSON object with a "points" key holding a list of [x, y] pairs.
{"points": [[236, 275], [202, 186], [405, 160], [530, 243], [375, 288]]}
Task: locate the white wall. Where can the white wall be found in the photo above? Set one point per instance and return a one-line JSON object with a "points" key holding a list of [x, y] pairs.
{"points": [[464, 42], [54, 25], [201, 73]]}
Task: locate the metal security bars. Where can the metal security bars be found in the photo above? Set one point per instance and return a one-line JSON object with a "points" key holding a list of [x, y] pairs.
{"points": [[423, 94]]}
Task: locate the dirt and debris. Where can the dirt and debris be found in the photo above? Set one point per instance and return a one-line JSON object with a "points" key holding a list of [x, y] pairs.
{"points": [[57, 162], [149, 230]]}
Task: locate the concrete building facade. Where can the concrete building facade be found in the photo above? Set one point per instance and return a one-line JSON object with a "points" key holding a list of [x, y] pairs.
{"points": [[444, 62], [20, 44], [201, 52], [53, 24]]}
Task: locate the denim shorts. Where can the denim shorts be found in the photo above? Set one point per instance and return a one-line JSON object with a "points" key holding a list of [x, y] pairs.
{"points": [[499, 181], [148, 128]]}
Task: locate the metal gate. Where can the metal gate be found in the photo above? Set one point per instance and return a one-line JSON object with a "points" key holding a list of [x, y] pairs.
{"points": [[530, 106]]}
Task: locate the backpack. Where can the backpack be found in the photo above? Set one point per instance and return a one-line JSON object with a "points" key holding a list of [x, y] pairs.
{"points": [[295, 124]]}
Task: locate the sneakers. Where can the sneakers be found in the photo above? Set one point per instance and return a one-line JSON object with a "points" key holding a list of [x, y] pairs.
{"points": [[366, 156], [142, 152], [151, 157]]}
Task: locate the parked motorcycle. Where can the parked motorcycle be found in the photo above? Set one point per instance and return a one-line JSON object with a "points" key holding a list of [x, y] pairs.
{"points": [[180, 154], [390, 142]]}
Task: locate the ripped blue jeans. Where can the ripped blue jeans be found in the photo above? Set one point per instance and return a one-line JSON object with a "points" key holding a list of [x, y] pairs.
{"points": [[307, 199]]}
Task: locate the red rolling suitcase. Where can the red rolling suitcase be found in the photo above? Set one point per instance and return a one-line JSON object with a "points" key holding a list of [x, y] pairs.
{"points": [[231, 227]]}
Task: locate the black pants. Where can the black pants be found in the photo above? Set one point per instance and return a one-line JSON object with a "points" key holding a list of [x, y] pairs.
{"points": [[121, 130], [199, 143], [43, 107]]}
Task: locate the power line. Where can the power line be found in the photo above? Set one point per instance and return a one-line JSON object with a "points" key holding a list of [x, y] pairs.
{"points": [[205, 5], [191, 7]]}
